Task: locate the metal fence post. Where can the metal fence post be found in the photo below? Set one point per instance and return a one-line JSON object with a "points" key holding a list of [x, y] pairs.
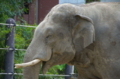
{"points": [[68, 71], [9, 56]]}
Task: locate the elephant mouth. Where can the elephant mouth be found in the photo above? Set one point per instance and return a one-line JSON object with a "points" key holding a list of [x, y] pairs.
{"points": [[45, 67], [49, 63], [45, 64]]}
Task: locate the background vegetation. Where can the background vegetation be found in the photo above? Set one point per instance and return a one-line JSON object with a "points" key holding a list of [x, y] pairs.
{"points": [[23, 35]]}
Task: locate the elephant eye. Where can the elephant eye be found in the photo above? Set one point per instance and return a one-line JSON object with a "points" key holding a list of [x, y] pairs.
{"points": [[49, 36], [48, 39]]}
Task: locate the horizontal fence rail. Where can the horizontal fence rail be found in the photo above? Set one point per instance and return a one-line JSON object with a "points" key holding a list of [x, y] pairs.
{"points": [[6, 24], [39, 74], [12, 49], [17, 25]]}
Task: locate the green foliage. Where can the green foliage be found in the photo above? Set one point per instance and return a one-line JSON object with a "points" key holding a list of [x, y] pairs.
{"points": [[10, 8], [57, 70]]}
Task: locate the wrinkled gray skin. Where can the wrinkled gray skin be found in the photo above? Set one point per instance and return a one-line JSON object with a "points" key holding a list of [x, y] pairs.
{"points": [[86, 36]]}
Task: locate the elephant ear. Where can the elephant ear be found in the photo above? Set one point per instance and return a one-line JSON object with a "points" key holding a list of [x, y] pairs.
{"points": [[83, 32]]}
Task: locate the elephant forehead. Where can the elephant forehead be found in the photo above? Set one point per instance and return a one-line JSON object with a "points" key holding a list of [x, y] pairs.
{"points": [[64, 7], [47, 29], [61, 12], [56, 17]]}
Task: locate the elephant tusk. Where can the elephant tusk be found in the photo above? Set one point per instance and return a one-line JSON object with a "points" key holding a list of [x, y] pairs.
{"points": [[31, 63]]}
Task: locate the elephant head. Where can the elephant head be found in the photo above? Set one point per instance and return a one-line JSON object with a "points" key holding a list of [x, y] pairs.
{"points": [[57, 39]]}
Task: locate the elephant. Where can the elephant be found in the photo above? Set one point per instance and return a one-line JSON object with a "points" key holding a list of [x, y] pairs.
{"points": [[86, 36]]}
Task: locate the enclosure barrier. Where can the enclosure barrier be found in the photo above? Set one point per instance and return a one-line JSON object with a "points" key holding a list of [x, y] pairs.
{"points": [[17, 25], [9, 64], [71, 76], [12, 49], [39, 74]]}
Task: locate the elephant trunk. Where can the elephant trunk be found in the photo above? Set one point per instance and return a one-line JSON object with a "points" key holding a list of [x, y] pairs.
{"points": [[33, 57], [31, 72], [32, 69]]}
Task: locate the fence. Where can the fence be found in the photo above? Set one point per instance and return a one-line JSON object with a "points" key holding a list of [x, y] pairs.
{"points": [[9, 57]]}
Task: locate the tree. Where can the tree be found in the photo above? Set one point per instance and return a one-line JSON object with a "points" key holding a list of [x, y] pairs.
{"points": [[10, 8]]}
